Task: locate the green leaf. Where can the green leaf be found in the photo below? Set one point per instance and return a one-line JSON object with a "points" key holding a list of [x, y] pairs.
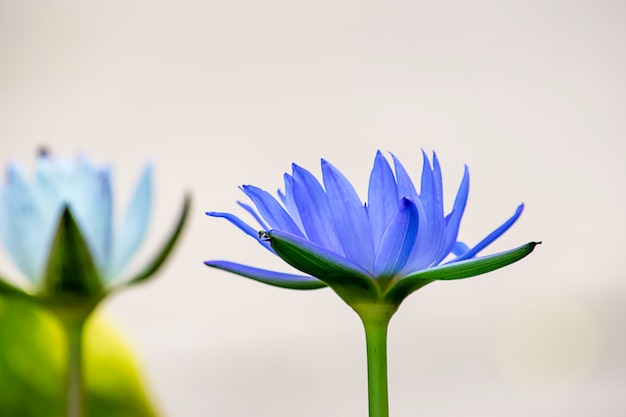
{"points": [[351, 284], [158, 261], [71, 272], [33, 374], [458, 270]]}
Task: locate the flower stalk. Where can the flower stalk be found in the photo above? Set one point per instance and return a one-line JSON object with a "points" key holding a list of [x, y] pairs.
{"points": [[376, 339], [375, 318], [75, 378]]}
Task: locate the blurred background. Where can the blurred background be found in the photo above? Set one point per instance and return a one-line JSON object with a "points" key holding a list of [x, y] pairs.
{"points": [[531, 95]]}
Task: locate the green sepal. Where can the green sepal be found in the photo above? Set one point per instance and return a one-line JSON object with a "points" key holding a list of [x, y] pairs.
{"points": [[70, 276], [458, 270], [155, 264], [11, 290], [354, 286]]}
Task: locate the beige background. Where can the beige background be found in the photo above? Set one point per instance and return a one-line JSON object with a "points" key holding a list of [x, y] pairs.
{"points": [[530, 94]]}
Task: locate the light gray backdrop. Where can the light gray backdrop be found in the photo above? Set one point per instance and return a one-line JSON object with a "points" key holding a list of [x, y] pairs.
{"points": [[529, 94]]}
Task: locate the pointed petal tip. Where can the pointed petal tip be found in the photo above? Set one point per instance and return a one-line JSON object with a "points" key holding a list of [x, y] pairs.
{"points": [[326, 165], [426, 160], [380, 157], [298, 171], [145, 176], [248, 187]]}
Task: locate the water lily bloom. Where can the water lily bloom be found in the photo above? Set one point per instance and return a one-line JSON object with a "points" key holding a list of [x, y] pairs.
{"points": [[373, 254], [58, 228], [380, 251]]}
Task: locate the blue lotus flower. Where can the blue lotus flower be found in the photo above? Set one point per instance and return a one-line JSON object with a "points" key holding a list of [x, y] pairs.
{"points": [[59, 229], [373, 253]]}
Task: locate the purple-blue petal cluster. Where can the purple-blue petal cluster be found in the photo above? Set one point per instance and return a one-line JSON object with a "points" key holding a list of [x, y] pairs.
{"points": [[397, 232]]}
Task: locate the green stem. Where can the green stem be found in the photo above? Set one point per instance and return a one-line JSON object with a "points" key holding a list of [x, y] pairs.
{"points": [[376, 321], [75, 382]]}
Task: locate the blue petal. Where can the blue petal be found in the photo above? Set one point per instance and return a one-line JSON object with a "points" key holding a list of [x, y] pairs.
{"points": [[132, 230], [438, 184], [290, 202], [95, 212], [279, 279], [382, 197], [453, 222], [431, 195], [350, 218], [86, 189], [314, 209], [243, 226], [427, 186], [159, 258], [397, 241], [271, 210], [282, 196], [28, 230], [492, 236], [419, 258], [460, 248], [406, 188], [254, 214]]}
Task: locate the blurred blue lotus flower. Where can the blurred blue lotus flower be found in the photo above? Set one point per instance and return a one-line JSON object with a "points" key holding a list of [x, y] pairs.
{"points": [[58, 228], [31, 212], [377, 252]]}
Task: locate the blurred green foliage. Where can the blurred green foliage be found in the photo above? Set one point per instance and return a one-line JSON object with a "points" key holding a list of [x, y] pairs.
{"points": [[33, 360]]}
